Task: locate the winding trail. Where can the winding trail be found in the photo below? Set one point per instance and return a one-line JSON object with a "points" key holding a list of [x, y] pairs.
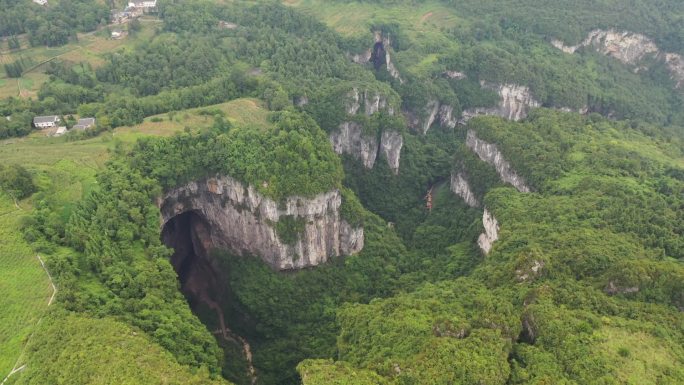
{"points": [[17, 368], [229, 335]]}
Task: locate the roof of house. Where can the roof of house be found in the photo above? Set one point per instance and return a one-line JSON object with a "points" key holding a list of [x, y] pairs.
{"points": [[45, 119], [86, 122], [141, 3]]}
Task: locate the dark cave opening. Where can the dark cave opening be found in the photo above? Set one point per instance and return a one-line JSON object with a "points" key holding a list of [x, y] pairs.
{"points": [[184, 234], [378, 55], [204, 281]]}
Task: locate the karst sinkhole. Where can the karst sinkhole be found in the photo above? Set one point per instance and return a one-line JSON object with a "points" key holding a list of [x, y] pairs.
{"points": [[205, 284]]}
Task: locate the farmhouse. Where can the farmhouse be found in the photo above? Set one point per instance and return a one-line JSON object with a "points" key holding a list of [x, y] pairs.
{"points": [[84, 123], [46, 121], [144, 4], [40, 2]]}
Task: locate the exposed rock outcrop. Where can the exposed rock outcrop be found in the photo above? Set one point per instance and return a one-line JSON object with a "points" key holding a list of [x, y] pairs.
{"points": [[456, 75], [381, 50], [491, 232], [379, 55], [489, 153], [629, 48], [612, 288], [530, 272], [362, 58], [349, 137], [461, 187], [434, 112], [516, 102], [391, 143], [675, 63], [371, 102], [243, 221]]}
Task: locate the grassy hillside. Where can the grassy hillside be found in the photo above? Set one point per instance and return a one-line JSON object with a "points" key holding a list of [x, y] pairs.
{"points": [[73, 349], [24, 288]]}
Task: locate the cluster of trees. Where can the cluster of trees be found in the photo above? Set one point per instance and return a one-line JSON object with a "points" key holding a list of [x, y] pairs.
{"points": [[15, 68], [292, 158], [54, 25], [16, 181], [296, 50], [167, 62]]}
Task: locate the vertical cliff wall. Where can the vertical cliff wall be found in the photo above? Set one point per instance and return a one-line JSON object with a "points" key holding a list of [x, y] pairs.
{"points": [[629, 48], [434, 112], [241, 220], [515, 103], [489, 153], [350, 137], [491, 232], [461, 187]]}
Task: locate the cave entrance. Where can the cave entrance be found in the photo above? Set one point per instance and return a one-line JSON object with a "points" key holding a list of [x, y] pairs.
{"points": [[378, 55], [205, 284], [188, 235]]}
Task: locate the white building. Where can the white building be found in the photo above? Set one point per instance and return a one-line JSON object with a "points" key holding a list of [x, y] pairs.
{"points": [[84, 123], [147, 4], [40, 2], [46, 121]]}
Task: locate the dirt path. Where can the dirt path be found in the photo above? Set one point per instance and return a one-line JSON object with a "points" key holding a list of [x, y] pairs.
{"points": [[17, 368], [425, 17], [229, 335]]}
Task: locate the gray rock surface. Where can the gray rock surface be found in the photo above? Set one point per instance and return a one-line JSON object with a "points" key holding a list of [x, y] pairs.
{"points": [[491, 232], [515, 103], [489, 153], [629, 48], [243, 221], [461, 187], [349, 137]]}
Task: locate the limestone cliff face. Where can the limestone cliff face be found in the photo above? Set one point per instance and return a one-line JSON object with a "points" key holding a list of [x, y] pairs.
{"points": [[433, 112], [371, 102], [491, 232], [243, 221], [349, 137], [675, 63], [489, 153], [461, 187], [391, 143], [515, 103], [383, 41], [629, 48], [379, 55], [363, 57]]}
